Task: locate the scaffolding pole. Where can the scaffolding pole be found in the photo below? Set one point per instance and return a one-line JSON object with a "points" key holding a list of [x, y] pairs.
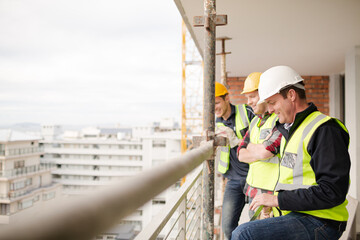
{"points": [[209, 21], [209, 111]]}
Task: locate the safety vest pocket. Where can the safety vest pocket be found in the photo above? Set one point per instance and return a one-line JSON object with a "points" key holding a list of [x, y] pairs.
{"points": [[289, 160], [264, 133]]}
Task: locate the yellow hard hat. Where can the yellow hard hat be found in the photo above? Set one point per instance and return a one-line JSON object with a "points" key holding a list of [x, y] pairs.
{"points": [[251, 82], [220, 89]]}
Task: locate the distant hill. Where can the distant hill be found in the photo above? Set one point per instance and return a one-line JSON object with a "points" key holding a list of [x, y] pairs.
{"points": [[26, 126]]}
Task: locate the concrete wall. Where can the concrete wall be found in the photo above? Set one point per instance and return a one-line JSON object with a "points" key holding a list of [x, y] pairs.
{"points": [[352, 116]]}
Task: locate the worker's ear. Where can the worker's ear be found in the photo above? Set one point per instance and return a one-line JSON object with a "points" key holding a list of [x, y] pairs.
{"points": [[227, 98], [292, 95]]}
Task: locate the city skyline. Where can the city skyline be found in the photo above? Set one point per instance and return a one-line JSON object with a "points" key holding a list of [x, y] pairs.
{"points": [[89, 63]]}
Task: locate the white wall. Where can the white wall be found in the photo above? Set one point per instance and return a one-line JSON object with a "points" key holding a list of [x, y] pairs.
{"points": [[352, 117]]}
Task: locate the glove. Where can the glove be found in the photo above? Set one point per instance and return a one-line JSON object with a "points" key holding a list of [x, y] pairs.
{"points": [[227, 132]]}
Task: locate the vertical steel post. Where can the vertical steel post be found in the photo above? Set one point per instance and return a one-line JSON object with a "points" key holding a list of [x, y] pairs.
{"points": [[209, 111], [199, 200], [182, 220], [223, 60], [223, 70], [223, 64], [183, 91]]}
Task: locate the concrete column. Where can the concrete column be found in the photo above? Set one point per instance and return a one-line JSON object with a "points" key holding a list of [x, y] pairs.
{"points": [[352, 117], [336, 96]]}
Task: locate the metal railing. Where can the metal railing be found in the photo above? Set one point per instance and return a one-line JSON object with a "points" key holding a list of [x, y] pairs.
{"points": [[87, 216], [181, 216]]}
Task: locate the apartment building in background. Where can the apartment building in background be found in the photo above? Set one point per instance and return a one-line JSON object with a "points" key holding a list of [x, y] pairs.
{"points": [[94, 157], [26, 186]]}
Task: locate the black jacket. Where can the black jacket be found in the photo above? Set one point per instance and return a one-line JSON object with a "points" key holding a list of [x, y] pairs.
{"points": [[330, 160]]}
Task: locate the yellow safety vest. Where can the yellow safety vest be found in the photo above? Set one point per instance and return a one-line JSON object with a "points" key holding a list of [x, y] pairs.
{"points": [[295, 169], [241, 123], [263, 174]]}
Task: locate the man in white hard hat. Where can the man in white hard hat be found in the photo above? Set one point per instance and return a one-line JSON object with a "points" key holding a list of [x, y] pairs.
{"points": [[233, 122], [314, 168]]}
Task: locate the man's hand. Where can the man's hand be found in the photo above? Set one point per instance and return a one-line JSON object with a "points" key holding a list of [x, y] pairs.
{"points": [[252, 147], [265, 213], [259, 151], [224, 131], [269, 136], [265, 199]]}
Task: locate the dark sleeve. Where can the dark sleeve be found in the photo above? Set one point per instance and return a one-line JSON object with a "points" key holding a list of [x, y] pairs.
{"points": [[330, 161], [250, 112]]}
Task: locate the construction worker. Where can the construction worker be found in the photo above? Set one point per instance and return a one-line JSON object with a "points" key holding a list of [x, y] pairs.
{"points": [[233, 121], [260, 146], [314, 167]]}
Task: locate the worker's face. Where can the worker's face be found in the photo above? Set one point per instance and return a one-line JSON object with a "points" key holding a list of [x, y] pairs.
{"points": [[283, 108], [222, 106], [252, 100]]}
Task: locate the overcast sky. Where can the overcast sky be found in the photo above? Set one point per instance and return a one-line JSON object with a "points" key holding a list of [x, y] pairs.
{"points": [[89, 62]]}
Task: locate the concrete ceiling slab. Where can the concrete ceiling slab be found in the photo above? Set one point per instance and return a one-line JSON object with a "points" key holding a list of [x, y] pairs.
{"points": [[313, 37]]}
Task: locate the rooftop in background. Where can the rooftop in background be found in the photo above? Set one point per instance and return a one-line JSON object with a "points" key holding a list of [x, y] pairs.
{"points": [[165, 128], [8, 135]]}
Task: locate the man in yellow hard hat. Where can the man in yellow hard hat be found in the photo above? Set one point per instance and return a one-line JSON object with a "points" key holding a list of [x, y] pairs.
{"points": [[260, 144], [314, 172], [233, 121]]}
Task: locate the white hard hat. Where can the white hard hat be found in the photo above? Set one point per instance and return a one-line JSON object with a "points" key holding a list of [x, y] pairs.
{"points": [[276, 78]]}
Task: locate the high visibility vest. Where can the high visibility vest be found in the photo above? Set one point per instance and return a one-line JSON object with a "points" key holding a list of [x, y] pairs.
{"points": [[263, 174], [241, 123], [295, 169]]}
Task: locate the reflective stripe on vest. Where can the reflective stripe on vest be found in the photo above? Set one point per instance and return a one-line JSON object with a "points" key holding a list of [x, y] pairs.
{"points": [[241, 123], [295, 169], [263, 173], [241, 120], [223, 165]]}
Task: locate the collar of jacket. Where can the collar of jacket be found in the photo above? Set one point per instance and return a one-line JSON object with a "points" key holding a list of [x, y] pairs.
{"points": [[299, 118], [266, 115], [233, 111]]}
